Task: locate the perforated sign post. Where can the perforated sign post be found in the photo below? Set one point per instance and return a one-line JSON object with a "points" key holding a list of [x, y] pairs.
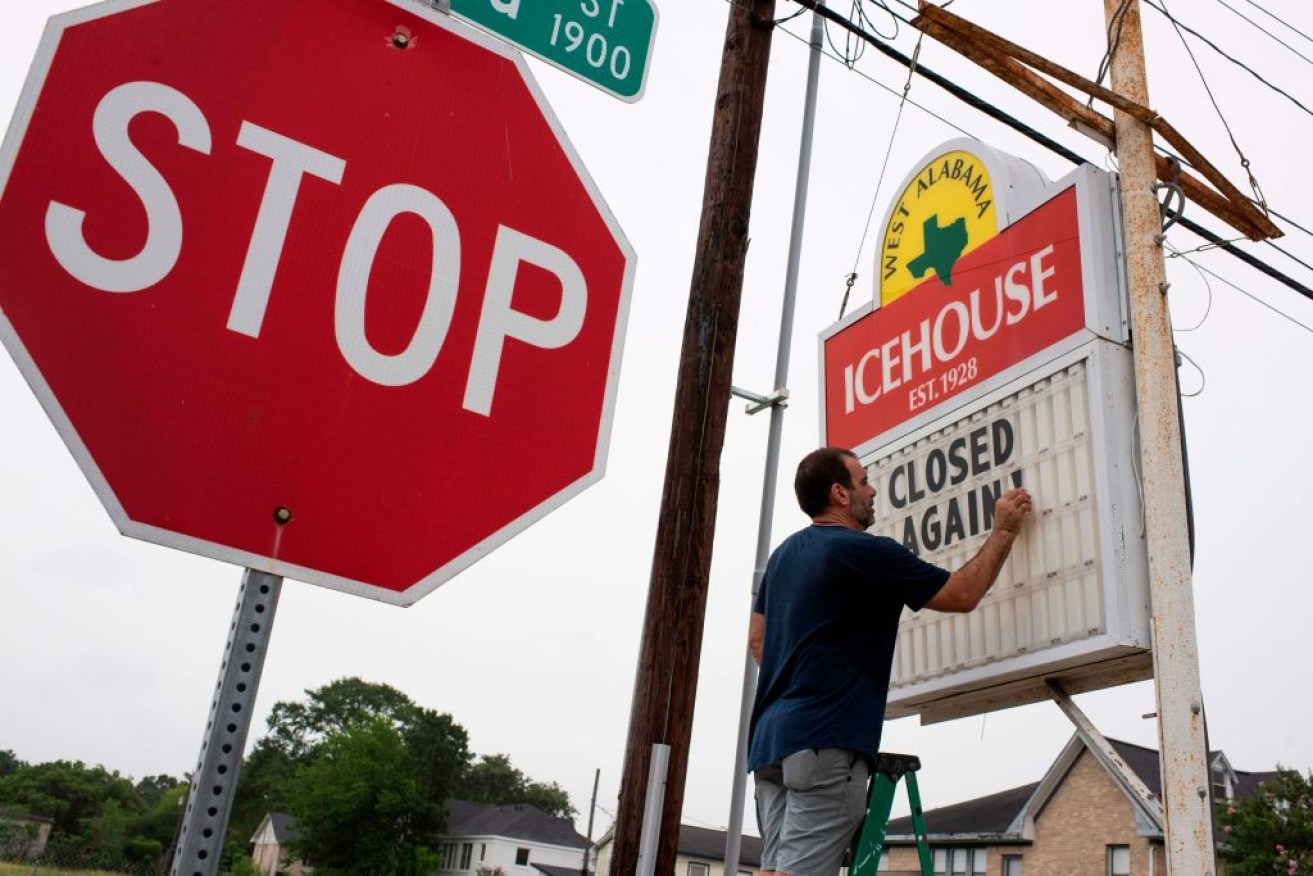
{"points": [[300, 285]]}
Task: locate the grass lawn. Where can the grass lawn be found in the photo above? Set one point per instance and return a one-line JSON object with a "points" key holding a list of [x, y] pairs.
{"points": [[42, 870]]}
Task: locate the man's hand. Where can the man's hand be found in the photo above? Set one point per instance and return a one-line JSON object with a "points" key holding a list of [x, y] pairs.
{"points": [[966, 586], [1011, 509]]}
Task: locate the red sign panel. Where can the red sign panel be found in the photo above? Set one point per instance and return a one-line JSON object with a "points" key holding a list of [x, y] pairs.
{"points": [[1010, 298], [320, 289]]}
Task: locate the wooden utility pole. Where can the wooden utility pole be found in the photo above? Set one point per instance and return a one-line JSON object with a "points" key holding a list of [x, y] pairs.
{"points": [[666, 682], [1184, 756]]}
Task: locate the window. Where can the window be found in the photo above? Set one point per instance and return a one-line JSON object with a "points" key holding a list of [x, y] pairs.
{"points": [[959, 862], [447, 851], [1119, 861], [466, 852], [1012, 865], [696, 869], [521, 857]]}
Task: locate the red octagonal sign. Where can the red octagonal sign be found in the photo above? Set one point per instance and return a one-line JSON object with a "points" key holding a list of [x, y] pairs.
{"points": [[316, 288]]}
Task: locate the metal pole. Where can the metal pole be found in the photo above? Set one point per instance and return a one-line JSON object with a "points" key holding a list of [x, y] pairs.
{"points": [[652, 806], [733, 836], [592, 810], [1184, 756], [210, 800]]}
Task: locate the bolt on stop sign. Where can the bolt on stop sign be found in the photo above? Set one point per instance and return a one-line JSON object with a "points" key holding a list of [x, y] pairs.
{"points": [[318, 289]]}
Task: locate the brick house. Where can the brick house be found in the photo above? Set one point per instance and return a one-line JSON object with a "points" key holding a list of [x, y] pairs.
{"points": [[269, 845], [1083, 818]]}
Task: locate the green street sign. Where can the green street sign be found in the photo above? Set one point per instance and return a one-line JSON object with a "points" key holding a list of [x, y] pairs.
{"points": [[607, 43]]}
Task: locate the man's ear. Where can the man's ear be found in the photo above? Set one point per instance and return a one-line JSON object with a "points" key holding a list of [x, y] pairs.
{"points": [[838, 495]]}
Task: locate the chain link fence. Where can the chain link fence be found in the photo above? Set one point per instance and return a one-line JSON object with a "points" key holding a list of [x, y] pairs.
{"points": [[24, 851]]}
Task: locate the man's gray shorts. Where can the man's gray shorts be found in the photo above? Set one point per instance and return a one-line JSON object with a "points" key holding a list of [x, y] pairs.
{"points": [[808, 806]]}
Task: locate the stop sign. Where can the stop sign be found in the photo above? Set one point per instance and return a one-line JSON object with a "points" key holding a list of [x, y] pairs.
{"points": [[316, 288]]}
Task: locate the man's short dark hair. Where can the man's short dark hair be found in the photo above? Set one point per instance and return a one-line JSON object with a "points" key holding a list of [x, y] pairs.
{"points": [[818, 471]]}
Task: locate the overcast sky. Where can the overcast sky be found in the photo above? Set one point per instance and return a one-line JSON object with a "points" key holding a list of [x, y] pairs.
{"points": [[110, 648]]}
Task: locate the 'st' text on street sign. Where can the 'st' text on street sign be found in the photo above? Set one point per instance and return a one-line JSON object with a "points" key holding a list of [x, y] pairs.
{"points": [[607, 43]]}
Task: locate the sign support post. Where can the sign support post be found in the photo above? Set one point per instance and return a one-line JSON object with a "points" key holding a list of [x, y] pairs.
{"points": [[213, 785], [1189, 831], [770, 477]]}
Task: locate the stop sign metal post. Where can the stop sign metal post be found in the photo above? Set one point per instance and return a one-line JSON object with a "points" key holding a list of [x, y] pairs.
{"points": [[322, 291]]}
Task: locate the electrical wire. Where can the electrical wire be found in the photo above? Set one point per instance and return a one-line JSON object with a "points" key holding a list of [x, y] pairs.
{"points": [[1270, 209], [1279, 20], [1288, 254], [1173, 253], [1263, 30], [1203, 378], [907, 86], [1244, 161], [1247, 294], [1242, 65], [1047, 142], [1114, 41], [878, 84]]}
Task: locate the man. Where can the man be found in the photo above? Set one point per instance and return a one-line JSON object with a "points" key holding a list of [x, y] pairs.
{"points": [[823, 630]]}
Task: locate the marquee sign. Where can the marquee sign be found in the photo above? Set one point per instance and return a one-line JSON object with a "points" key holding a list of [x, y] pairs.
{"points": [[997, 359], [1072, 602]]}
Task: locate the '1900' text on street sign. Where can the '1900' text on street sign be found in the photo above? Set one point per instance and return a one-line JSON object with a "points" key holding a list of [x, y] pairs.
{"points": [[604, 42]]}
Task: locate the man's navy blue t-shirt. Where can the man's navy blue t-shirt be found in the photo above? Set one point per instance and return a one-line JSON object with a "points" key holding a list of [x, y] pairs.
{"points": [[832, 597]]}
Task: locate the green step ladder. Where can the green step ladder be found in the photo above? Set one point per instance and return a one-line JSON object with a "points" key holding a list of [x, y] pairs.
{"points": [[869, 839]]}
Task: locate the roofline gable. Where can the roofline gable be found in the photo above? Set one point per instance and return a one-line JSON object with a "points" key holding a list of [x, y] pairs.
{"points": [[1149, 818]]}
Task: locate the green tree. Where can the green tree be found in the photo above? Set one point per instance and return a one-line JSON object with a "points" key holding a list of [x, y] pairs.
{"points": [[1271, 831], [151, 832], [9, 763], [71, 793], [296, 728], [494, 781], [314, 764], [438, 748], [361, 807]]}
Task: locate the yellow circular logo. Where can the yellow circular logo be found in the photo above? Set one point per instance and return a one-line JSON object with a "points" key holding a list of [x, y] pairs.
{"points": [[945, 211]]}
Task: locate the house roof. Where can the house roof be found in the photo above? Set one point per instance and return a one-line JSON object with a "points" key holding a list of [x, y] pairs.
{"points": [[284, 827], [991, 815], [1003, 815], [1249, 782], [556, 871], [705, 843], [520, 821], [1143, 761]]}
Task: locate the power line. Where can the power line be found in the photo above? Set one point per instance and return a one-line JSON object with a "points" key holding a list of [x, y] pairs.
{"points": [[838, 59], [1279, 20], [1264, 30], [1042, 139], [1270, 209], [1244, 292], [1244, 161], [1241, 64], [1252, 261]]}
